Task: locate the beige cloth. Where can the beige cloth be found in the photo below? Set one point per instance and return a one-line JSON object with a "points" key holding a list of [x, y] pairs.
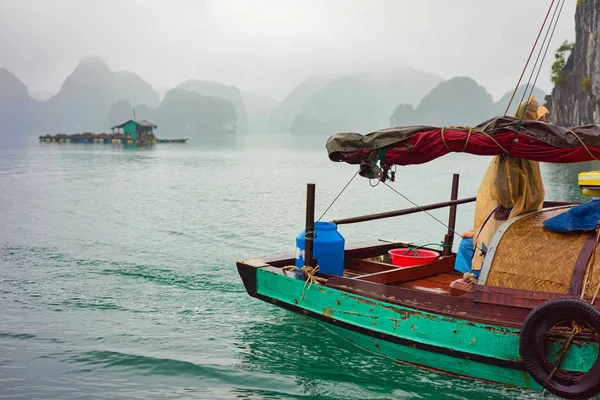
{"points": [[509, 182]]}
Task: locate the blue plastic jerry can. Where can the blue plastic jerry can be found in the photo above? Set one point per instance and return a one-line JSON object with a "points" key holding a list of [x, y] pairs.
{"points": [[328, 249]]}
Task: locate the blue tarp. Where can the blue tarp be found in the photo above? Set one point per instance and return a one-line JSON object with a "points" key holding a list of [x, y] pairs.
{"points": [[464, 255], [582, 218]]}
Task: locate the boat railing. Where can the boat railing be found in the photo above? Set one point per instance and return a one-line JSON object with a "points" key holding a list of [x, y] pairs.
{"points": [[448, 238], [405, 211], [453, 203]]}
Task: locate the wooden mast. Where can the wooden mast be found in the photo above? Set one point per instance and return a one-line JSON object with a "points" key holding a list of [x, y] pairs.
{"points": [[310, 224], [449, 238]]}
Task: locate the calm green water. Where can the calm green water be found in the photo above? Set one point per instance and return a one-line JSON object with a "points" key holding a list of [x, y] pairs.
{"points": [[118, 279]]}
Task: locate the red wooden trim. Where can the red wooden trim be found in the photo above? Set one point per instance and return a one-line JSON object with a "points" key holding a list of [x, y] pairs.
{"points": [[527, 299], [367, 266], [444, 264]]}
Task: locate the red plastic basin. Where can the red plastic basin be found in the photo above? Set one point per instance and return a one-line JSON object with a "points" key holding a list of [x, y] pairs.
{"points": [[410, 257]]}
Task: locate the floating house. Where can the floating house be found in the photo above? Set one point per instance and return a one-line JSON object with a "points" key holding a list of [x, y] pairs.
{"points": [[132, 131], [135, 130]]}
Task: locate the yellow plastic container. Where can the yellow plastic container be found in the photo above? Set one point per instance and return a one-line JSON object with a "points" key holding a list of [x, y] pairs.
{"points": [[589, 182]]}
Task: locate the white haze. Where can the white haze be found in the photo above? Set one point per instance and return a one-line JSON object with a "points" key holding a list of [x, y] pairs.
{"points": [[270, 46]]}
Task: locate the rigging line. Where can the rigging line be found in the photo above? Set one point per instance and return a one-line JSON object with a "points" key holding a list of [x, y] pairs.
{"points": [[539, 54], [536, 63], [338, 196], [422, 209], [528, 59], [539, 69], [550, 26], [548, 45], [425, 211]]}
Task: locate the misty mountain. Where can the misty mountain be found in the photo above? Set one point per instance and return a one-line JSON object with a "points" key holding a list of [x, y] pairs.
{"points": [[122, 111], [17, 108], [133, 88], [41, 95], [407, 84], [142, 112], [523, 89], [216, 89], [189, 113], [283, 115], [458, 101], [83, 99], [348, 103], [360, 102], [93, 98], [87, 95], [258, 108], [119, 112], [182, 113]]}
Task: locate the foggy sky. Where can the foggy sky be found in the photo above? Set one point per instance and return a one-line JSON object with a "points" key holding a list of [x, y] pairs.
{"points": [[270, 46]]}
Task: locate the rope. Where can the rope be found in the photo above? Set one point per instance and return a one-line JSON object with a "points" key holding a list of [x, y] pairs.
{"points": [[576, 327], [310, 274], [529, 58], [415, 252], [422, 209], [538, 58], [425, 211], [467, 141], [471, 130], [470, 278], [338, 196], [494, 140], [583, 144], [547, 46], [379, 159], [444, 139], [563, 351], [540, 67]]}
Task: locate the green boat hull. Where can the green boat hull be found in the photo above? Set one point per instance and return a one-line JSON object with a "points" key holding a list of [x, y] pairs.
{"points": [[451, 345]]}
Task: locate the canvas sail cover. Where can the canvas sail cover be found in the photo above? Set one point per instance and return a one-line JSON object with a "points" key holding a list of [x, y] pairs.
{"points": [[406, 145], [513, 180]]}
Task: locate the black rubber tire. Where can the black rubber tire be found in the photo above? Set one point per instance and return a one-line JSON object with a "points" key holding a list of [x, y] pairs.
{"points": [[532, 347]]}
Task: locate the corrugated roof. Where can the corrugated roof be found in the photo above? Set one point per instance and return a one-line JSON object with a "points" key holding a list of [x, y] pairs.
{"points": [[142, 122]]}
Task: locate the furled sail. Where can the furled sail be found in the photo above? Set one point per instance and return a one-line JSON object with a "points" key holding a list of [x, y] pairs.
{"points": [[533, 140]]}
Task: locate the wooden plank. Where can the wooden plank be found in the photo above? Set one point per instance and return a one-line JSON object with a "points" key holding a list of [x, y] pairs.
{"points": [[444, 264], [548, 204], [440, 281], [462, 307], [368, 266], [581, 264], [519, 298]]}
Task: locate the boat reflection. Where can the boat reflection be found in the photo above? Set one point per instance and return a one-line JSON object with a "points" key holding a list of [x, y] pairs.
{"points": [[290, 347]]}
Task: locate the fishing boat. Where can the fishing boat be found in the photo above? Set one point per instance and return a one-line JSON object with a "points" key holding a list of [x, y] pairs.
{"points": [[530, 319]]}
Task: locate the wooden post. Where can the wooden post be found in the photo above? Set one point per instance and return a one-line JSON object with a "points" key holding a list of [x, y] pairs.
{"points": [[449, 238], [310, 224]]}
